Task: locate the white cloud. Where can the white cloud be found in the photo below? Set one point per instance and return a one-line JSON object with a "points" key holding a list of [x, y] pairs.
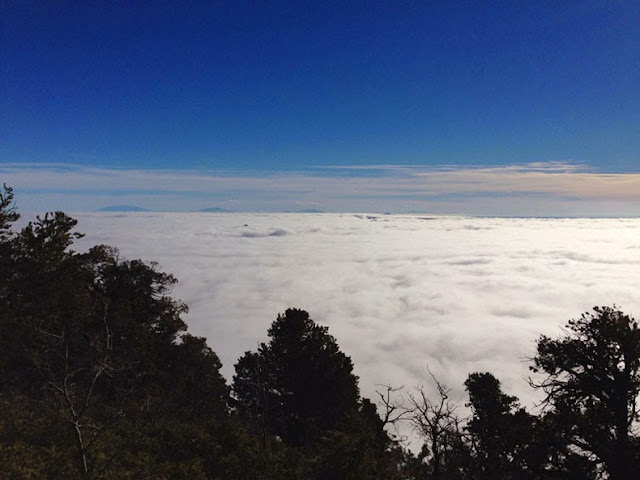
{"points": [[538, 189], [399, 293]]}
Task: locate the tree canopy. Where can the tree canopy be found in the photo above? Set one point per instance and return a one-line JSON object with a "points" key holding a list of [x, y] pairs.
{"points": [[91, 348], [592, 384], [299, 384]]}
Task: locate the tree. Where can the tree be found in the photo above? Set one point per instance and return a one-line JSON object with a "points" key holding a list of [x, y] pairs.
{"points": [[82, 326], [8, 213], [298, 385], [299, 394], [592, 384], [97, 377], [438, 424], [501, 432]]}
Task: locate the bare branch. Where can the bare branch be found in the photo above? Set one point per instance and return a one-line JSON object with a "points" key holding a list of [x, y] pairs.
{"points": [[394, 409]]}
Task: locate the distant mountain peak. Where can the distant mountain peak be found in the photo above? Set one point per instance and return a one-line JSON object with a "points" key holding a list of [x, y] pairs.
{"points": [[122, 208], [214, 210], [310, 210]]}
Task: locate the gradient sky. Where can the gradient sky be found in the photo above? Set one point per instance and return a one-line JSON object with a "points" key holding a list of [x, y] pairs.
{"points": [[278, 88]]}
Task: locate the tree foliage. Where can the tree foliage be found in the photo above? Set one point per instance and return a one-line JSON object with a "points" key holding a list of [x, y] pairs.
{"points": [[91, 348], [299, 392], [592, 384], [502, 433], [299, 384]]}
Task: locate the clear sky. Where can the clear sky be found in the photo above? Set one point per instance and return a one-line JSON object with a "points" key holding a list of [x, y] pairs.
{"points": [[267, 91]]}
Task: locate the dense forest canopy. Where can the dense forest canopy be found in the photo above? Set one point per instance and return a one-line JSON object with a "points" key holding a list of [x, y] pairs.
{"points": [[99, 379]]}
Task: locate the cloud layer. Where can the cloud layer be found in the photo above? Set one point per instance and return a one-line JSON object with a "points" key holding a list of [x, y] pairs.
{"points": [[399, 292], [536, 189]]}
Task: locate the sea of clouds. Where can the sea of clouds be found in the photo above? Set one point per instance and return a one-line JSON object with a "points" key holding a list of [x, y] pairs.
{"points": [[401, 293]]}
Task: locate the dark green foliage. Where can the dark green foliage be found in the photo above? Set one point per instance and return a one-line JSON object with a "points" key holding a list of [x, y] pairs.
{"points": [[299, 394], [95, 366], [592, 386], [492, 425], [502, 433], [553, 454], [300, 384], [8, 213]]}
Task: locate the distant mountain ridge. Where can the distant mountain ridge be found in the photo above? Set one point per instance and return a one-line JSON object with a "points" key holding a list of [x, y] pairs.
{"points": [[122, 208], [214, 210], [311, 210]]}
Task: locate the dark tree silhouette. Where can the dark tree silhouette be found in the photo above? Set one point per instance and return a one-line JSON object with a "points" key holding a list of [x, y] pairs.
{"points": [[90, 327], [8, 213], [436, 421], [299, 393], [592, 385], [299, 384], [501, 432], [91, 352]]}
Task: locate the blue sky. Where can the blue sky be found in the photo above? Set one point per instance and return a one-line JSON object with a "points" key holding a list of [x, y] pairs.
{"points": [[272, 90]]}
